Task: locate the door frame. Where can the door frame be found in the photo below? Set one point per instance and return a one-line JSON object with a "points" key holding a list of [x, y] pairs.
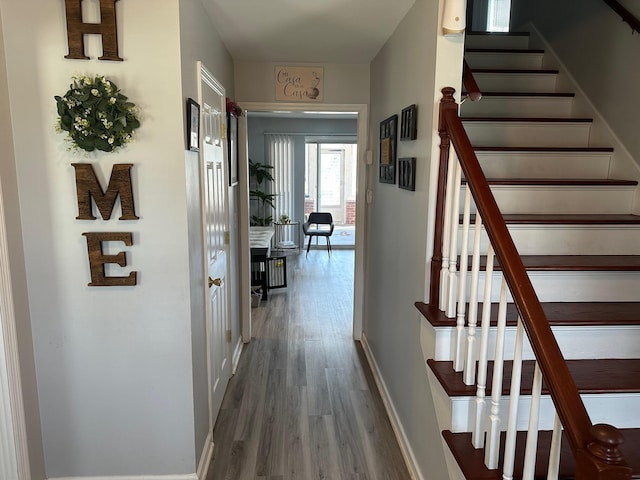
{"points": [[13, 429], [362, 112]]}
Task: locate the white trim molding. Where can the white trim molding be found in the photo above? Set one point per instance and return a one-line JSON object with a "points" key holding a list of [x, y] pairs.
{"points": [[205, 458], [362, 112], [396, 424], [14, 457], [236, 355], [186, 476]]}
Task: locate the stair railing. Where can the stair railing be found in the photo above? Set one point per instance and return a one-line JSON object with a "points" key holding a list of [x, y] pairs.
{"points": [[470, 85], [595, 447], [625, 14]]}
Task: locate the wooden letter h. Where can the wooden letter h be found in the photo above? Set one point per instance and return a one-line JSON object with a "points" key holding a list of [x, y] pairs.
{"points": [[107, 28]]}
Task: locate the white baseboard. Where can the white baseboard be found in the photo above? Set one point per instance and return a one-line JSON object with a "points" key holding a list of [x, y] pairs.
{"points": [[185, 476], [236, 355], [396, 424], [205, 458]]}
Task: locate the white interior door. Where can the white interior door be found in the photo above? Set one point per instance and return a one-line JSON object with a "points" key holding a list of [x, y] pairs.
{"points": [[216, 228]]}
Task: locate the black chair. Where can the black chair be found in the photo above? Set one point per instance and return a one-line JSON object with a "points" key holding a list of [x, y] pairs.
{"points": [[319, 224]]}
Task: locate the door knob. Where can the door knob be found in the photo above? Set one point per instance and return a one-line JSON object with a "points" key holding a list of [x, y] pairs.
{"points": [[217, 282]]}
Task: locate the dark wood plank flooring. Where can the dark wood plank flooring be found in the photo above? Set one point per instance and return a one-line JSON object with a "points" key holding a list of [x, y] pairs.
{"points": [[303, 404]]}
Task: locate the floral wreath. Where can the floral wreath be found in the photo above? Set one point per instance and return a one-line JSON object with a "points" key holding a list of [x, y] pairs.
{"points": [[95, 115]]}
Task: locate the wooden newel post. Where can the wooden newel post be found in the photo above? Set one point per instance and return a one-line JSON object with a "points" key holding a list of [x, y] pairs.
{"points": [[602, 459], [447, 102]]}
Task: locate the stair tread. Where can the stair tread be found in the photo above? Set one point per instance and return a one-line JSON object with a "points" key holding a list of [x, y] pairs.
{"points": [[526, 94], [591, 377], [557, 313], [471, 460], [504, 50], [527, 71], [569, 219], [545, 149], [497, 34], [560, 181], [527, 119], [602, 263]]}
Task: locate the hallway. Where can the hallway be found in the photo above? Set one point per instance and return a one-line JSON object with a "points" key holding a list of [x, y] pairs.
{"points": [[303, 404]]}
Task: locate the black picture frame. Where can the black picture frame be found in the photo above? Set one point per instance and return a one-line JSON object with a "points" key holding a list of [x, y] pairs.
{"points": [[232, 142], [409, 123], [407, 173], [193, 125], [388, 149]]}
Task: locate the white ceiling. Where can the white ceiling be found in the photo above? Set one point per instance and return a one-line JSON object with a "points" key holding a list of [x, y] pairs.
{"points": [[311, 31]]}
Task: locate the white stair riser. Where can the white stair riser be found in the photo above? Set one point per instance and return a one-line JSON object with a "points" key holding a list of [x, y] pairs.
{"points": [[576, 342], [497, 41], [516, 82], [528, 134], [506, 106], [560, 199], [578, 286], [544, 164], [527, 61], [619, 410], [566, 240]]}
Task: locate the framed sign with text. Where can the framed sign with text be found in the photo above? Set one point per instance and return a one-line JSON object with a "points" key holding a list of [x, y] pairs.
{"points": [[299, 84]]}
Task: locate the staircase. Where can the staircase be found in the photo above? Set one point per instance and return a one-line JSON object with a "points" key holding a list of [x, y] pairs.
{"points": [[580, 243]]}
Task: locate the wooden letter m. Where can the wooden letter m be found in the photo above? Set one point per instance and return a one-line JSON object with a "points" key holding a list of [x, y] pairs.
{"points": [[87, 187]]}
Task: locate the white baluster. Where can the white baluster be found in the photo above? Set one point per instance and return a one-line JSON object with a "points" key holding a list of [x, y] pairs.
{"points": [[554, 452], [470, 364], [449, 217], [514, 398], [532, 433], [478, 431], [453, 243], [492, 449], [458, 363]]}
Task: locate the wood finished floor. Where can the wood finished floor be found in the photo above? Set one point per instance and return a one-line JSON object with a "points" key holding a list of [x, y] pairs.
{"points": [[303, 404]]}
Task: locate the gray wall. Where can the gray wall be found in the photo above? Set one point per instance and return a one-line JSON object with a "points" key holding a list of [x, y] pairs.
{"points": [[258, 126], [600, 53], [18, 275], [402, 74], [113, 364], [199, 41]]}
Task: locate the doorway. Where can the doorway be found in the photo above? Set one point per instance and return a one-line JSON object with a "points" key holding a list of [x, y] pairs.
{"points": [[360, 112], [330, 185]]}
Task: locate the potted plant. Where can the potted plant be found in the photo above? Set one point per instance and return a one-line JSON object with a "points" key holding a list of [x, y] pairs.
{"points": [[258, 173]]}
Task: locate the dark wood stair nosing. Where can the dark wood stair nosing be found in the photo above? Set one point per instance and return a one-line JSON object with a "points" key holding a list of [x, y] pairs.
{"points": [[582, 182], [526, 94], [527, 119], [544, 149], [480, 33], [568, 219], [471, 460], [571, 263], [577, 314], [525, 71], [592, 377], [534, 51]]}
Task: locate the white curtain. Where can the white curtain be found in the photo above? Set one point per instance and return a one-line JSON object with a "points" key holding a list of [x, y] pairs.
{"points": [[279, 150]]}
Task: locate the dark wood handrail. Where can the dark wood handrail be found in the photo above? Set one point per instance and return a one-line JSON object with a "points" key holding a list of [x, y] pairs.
{"points": [[626, 15], [586, 440], [470, 85]]}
